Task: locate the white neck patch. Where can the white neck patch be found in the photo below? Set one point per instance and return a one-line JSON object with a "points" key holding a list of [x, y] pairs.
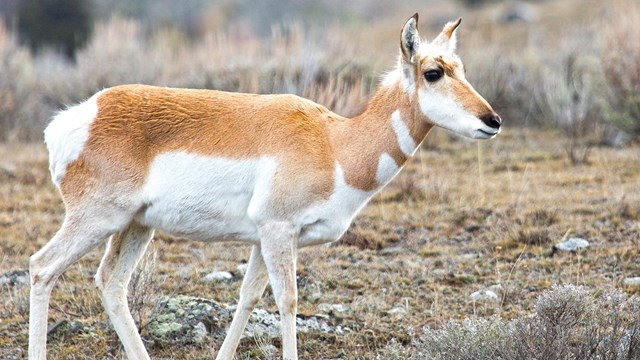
{"points": [[405, 141], [387, 169]]}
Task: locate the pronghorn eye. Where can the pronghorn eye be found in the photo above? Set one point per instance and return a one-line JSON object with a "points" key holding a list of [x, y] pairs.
{"points": [[433, 75]]}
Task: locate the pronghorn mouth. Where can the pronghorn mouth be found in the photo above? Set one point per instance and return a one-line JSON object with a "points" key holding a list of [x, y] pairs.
{"points": [[489, 133]]}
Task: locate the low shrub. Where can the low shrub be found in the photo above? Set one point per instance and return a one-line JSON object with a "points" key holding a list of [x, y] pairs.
{"points": [[569, 322]]}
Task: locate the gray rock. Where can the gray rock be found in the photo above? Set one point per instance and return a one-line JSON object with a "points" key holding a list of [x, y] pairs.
{"points": [[64, 328], [484, 296], [185, 319], [190, 320], [314, 296], [217, 276], [572, 245], [199, 333], [333, 308], [439, 272], [242, 268], [265, 324], [15, 278], [397, 310], [632, 281]]}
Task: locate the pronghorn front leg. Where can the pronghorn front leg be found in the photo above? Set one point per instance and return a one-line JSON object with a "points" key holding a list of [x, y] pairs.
{"points": [[253, 284], [279, 251]]}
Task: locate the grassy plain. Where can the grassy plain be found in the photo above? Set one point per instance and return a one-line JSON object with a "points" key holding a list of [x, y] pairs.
{"points": [[461, 217]]}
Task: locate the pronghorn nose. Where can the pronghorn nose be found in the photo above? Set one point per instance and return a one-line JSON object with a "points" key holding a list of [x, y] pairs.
{"points": [[492, 120]]}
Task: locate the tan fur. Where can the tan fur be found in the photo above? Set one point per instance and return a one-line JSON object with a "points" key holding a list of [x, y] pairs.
{"points": [[450, 27], [135, 123]]}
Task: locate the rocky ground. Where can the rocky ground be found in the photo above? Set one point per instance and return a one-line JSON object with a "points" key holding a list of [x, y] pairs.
{"points": [[467, 230]]}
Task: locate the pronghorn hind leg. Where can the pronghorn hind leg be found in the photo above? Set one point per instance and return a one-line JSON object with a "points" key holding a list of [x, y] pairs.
{"points": [[279, 250], [253, 285], [74, 239], [120, 260]]}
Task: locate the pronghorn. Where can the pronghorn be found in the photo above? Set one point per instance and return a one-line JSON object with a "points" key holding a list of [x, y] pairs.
{"points": [[275, 171]]}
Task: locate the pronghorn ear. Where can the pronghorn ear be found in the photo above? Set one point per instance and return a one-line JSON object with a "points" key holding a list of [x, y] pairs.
{"points": [[410, 39], [448, 38]]}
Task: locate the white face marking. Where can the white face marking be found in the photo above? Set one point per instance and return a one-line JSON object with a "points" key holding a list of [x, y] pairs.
{"points": [[387, 169], [405, 141], [446, 113], [66, 135]]}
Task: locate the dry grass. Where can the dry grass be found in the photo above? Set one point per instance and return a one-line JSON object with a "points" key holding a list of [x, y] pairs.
{"points": [[431, 251]]}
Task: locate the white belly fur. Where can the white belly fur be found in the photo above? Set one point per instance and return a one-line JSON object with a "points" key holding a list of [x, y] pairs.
{"points": [[203, 198], [211, 198]]}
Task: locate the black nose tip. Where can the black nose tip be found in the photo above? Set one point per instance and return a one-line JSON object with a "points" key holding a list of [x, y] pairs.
{"points": [[492, 120]]}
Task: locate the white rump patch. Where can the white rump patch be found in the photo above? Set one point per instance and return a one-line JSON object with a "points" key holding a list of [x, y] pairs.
{"points": [[66, 135], [406, 142]]}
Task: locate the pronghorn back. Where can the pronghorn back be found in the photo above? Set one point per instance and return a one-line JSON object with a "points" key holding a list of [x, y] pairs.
{"points": [[114, 136]]}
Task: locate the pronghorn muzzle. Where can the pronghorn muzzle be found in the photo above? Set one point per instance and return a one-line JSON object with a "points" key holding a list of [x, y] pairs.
{"points": [[492, 120]]}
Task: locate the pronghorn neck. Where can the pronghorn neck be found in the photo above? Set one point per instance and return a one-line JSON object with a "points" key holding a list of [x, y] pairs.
{"points": [[373, 146]]}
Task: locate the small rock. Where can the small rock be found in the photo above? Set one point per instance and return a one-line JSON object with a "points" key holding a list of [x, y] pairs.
{"points": [[185, 319], [484, 296], [572, 245], [439, 272], [15, 278], [497, 288], [397, 310], [188, 320], [314, 296], [199, 333], [264, 323], [65, 328], [632, 281], [333, 308], [242, 268], [217, 276], [269, 351]]}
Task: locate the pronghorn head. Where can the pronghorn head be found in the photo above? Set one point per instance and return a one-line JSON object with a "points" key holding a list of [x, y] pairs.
{"points": [[434, 74]]}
